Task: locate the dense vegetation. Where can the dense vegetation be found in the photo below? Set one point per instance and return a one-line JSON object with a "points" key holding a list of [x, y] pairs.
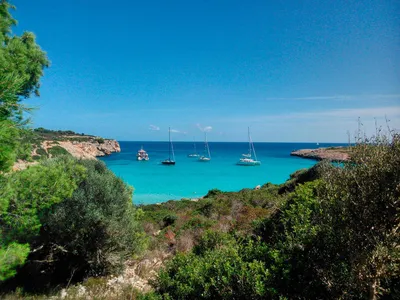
{"points": [[76, 218], [335, 237], [330, 232], [61, 220]]}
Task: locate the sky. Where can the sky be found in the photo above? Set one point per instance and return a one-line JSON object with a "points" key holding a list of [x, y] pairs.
{"points": [[292, 71]]}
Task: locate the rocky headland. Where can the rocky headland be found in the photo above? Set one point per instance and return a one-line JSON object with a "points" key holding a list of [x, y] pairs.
{"points": [[338, 154], [48, 143], [89, 149]]}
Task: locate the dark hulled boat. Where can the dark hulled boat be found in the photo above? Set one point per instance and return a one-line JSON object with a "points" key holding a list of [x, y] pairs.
{"points": [[169, 161]]}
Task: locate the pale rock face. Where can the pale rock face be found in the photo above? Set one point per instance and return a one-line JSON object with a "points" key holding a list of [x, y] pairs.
{"points": [[89, 149], [333, 154]]}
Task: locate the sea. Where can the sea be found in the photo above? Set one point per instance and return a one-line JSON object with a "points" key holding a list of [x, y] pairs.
{"points": [[190, 178]]}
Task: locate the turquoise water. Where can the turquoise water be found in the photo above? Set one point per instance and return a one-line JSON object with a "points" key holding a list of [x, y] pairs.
{"points": [[189, 178]]}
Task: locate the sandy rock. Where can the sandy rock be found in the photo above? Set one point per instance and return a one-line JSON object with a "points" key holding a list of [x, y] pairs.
{"points": [[334, 154]]}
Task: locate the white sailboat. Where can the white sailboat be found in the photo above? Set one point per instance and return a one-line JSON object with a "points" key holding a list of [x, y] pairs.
{"points": [[169, 161], [206, 150], [194, 154], [247, 159]]}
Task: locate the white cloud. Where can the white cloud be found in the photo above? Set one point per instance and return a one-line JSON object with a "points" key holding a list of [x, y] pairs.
{"points": [[204, 129], [340, 97], [154, 127], [175, 131]]}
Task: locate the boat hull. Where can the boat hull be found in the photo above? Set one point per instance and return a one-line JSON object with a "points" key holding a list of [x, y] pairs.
{"points": [[204, 159], [142, 158], [248, 163], [168, 162]]}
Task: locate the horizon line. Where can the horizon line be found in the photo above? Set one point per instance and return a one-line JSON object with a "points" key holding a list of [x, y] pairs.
{"points": [[191, 142]]}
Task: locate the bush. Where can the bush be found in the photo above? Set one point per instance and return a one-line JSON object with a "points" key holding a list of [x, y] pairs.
{"points": [[218, 272], [89, 233], [169, 220], [345, 226], [336, 237], [41, 152], [57, 151], [26, 196], [212, 193]]}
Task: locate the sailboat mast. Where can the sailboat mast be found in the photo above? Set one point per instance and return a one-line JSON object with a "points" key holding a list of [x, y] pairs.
{"points": [[169, 144], [208, 148], [252, 146], [205, 143], [248, 133]]}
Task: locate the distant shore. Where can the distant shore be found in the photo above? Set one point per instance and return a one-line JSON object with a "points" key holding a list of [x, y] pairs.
{"points": [[338, 154]]}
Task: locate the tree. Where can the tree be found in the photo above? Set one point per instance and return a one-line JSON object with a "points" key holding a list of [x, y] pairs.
{"points": [[21, 67], [90, 232], [26, 196]]}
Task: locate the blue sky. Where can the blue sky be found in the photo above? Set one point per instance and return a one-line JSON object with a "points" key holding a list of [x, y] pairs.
{"points": [[291, 70]]}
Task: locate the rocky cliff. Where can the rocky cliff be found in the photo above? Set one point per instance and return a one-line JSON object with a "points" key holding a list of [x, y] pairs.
{"points": [[89, 149], [48, 143], [338, 154]]}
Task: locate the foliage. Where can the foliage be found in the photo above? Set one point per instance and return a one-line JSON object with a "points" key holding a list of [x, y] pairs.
{"points": [[12, 256], [213, 193], [333, 238], [41, 152], [21, 66], [218, 271], [362, 210], [20, 56], [90, 233], [8, 144], [169, 220], [25, 197], [57, 151]]}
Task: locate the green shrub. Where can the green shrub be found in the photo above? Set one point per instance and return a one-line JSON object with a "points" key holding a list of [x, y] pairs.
{"points": [[212, 193], [8, 144], [57, 151], [100, 140], [76, 216], [219, 273], [212, 240], [41, 152], [169, 220], [26, 196], [198, 223], [90, 233], [345, 226]]}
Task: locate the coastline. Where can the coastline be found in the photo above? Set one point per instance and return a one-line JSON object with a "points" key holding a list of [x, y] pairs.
{"points": [[336, 154], [50, 144]]}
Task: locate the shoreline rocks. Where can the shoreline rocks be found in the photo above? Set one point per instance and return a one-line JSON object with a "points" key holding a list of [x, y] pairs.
{"points": [[338, 154], [90, 148]]}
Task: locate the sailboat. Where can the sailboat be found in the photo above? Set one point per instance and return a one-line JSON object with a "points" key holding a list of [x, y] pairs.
{"points": [[247, 159], [169, 161], [206, 150], [194, 154]]}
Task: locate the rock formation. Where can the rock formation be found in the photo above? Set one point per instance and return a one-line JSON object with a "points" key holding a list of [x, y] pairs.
{"points": [[338, 154], [83, 147]]}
